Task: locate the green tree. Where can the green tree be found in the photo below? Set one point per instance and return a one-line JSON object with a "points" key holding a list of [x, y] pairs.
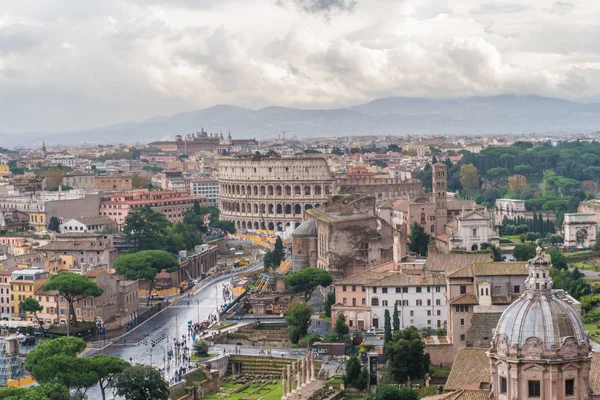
{"points": [[597, 243], [146, 229], [196, 207], [495, 250], [524, 252], [298, 318], [200, 348], [31, 305], [182, 237], [141, 382], [353, 368], [73, 287], [40, 392], [396, 318], [419, 240], [558, 259], [307, 280], [146, 265], [56, 362], [105, 367], [279, 251], [362, 383], [387, 326], [469, 177], [341, 327], [405, 353], [53, 224], [337, 151], [329, 301], [386, 392]]}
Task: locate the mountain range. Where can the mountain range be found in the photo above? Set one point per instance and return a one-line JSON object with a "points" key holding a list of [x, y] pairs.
{"points": [[495, 115]]}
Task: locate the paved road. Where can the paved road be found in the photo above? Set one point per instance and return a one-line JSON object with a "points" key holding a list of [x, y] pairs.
{"points": [[170, 323]]}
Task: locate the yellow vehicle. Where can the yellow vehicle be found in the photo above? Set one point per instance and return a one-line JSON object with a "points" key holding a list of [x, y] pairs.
{"points": [[183, 287], [244, 261]]}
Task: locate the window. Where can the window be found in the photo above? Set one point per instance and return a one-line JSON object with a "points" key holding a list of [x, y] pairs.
{"points": [[353, 288], [383, 290], [428, 313], [463, 290], [419, 302], [474, 232], [428, 302], [438, 288], [344, 288], [384, 303], [438, 302], [503, 385], [439, 312], [405, 302], [428, 289], [418, 290], [344, 301], [570, 387], [412, 313], [375, 301], [398, 290], [462, 322], [516, 289], [534, 389], [374, 290], [462, 337], [404, 290], [364, 302]]}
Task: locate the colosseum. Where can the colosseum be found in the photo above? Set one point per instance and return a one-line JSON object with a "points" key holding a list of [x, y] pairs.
{"points": [[272, 192]]}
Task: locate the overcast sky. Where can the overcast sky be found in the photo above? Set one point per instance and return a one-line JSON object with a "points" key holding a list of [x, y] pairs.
{"points": [[73, 64]]}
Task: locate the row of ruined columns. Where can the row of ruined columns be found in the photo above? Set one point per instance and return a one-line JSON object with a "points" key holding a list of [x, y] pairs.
{"points": [[297, 375]]}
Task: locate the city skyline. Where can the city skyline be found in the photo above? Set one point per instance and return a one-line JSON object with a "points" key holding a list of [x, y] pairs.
{"points": [[66, 65]]}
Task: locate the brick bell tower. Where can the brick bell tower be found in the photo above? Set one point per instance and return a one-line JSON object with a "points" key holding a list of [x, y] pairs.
{"points": [[439, 183]]}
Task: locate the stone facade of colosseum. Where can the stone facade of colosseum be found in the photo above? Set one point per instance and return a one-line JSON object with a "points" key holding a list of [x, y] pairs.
{"points": [[272, 192]]}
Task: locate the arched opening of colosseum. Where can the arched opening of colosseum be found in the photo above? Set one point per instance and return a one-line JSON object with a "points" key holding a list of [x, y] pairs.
{"points": [[255, 207], [327, 189], [248, 190], [263, 208], [297, 209], [255, 225], [270, 208], [262, 226], [263, 191], [270, 190], [237, 189], [317, 205], [297, 190], [278, 190], [288, 190], [271, 226], [279, 209], [308, 206], [243, 224], [243, 207], [318, 190], [255, 190], [237, 207], [288, 209], [307, 190]]}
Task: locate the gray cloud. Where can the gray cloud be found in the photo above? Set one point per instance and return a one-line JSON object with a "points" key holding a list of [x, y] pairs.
{"points": [[562, 7], [323, 6], [495, 8]]}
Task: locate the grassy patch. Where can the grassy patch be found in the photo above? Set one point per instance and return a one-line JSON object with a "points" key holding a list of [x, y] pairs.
{"points": [[594, 282], [222, 325], [256, 391], [325, 318], [444, 372]]}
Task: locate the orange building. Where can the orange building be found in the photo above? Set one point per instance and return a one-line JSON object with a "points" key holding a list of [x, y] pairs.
{"points": [[172, 203], [116, 183]]}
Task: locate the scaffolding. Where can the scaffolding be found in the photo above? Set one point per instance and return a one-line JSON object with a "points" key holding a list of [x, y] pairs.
{"points": [[11, 363]]}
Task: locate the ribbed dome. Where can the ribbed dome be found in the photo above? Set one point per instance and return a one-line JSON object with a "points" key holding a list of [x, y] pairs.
{"points": [[307, 228], [547, 318], [541, 323]]}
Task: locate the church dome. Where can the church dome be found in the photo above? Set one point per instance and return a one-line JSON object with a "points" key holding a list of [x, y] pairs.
{"points": [[307, 228], [542, 323]]}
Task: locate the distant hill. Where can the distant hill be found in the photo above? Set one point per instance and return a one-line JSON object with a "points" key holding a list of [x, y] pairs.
{"points": [[506, 114]]}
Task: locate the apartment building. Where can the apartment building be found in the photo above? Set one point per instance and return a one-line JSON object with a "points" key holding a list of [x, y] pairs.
{"points": [[5, 308], [82, 251], [207, 188], [25, 283], [173, 204], [117, 183], [79, 181]]}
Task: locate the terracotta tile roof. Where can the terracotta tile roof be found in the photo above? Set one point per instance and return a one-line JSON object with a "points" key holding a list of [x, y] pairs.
{"points": [[443, 237], [470, 370], [499, 268], [362, 278], [466, 272], [93, 273], [462, 204], [450, 262], [464, 299], [461, 395]]}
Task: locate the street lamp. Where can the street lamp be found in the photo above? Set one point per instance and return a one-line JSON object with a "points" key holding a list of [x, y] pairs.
{"points": [[101, 330]]}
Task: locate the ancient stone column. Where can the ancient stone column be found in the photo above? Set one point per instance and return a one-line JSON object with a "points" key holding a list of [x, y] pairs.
{"points": [[283, 382], [304, 371], [289, 378], [298, 375], [312, 368], [294, 375]]}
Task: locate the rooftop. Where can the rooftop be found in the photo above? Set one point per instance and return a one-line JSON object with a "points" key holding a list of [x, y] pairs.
{"points": [[471, 370]]}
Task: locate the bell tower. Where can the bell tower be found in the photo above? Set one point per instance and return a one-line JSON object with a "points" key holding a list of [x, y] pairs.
{"points": [[439, 183]]}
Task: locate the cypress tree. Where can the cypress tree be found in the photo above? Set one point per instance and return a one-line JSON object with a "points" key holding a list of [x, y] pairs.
{"points": [[396, 318], [387, 326]]}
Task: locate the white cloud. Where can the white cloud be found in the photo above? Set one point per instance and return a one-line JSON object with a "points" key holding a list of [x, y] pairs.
{"points": [[67, 64]]}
